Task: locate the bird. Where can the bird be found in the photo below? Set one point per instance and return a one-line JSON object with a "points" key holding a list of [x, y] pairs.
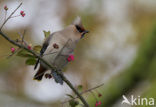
{"points": [[57, 47]]}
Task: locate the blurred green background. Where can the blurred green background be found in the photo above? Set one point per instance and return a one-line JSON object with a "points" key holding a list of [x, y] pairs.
{"points": [[119, 51]]}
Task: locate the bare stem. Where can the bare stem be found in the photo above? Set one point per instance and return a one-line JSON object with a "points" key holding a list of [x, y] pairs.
{"points": [[75, 91], [15, 16], [10, 16], [85, 92], [5, 15], [22, 38]]}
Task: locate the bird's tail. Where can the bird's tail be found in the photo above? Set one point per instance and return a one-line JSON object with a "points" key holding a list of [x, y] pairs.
{"points": [[57, 77], [38, 76]]}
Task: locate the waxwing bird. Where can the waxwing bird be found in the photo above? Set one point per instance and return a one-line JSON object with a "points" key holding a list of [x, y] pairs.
{"points": [[57, 47]]}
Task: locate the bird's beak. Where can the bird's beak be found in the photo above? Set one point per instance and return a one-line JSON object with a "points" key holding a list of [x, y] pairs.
{"points": [[84, 32]]}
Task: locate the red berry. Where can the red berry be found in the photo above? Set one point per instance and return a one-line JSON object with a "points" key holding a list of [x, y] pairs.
{"points": [[70, 58], [12, 50], [99, 95], [5, 7], [22, 13], [97, 103], [29, 47], [55, 46], [48, 76]]}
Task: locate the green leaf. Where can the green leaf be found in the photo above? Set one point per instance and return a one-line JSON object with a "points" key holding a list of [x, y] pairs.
{"points": [[24, 53], [80, 88], [37, 48], [30, 61], [73, 103], [46, 34], [70, 96]]}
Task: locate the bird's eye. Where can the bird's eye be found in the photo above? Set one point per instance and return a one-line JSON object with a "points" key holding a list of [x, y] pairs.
{"points": [[79, 29]]}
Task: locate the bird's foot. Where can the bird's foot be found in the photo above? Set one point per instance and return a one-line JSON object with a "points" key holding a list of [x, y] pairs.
{"points": [[57, 77]]}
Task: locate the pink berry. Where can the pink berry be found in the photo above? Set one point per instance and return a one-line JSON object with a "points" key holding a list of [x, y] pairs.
{"points": [[70, 58], [29, 47], [12, 50], [55, 46], [99, 103], [48, 76], [22, 13], [5, 7], [99, 95], [96, 104]]}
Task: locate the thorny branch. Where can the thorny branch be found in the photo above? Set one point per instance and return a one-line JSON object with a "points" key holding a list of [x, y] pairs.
{"points": [[36, 55]]}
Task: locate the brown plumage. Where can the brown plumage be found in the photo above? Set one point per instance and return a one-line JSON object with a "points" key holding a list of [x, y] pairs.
{"points": [[40, 73]]}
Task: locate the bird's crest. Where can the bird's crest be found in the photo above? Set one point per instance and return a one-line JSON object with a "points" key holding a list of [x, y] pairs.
{"points": [[77, 21]]}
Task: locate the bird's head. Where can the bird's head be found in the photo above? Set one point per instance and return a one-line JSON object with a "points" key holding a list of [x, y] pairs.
{"points": [[79, 27]]}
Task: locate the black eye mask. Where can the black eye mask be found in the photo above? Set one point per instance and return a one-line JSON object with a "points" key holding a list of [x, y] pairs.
{"points": [[79, 28]]}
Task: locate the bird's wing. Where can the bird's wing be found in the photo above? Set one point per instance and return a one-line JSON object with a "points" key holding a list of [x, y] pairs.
{"points": [[61, 59], [44, 47]]}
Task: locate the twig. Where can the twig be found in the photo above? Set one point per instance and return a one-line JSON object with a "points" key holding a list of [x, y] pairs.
{"points": [[93, 95], [22, 39], [93, 88], [13, 53], [10, 16], [85, 92], [23, 35], [15, 16], [5, 15]]}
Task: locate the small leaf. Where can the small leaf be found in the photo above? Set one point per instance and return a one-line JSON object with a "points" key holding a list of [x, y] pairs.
{"points": [[46, 34], [30, 61], [24, 53], [37, 48], [80, 88], [70, 96], [73, 103]]}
